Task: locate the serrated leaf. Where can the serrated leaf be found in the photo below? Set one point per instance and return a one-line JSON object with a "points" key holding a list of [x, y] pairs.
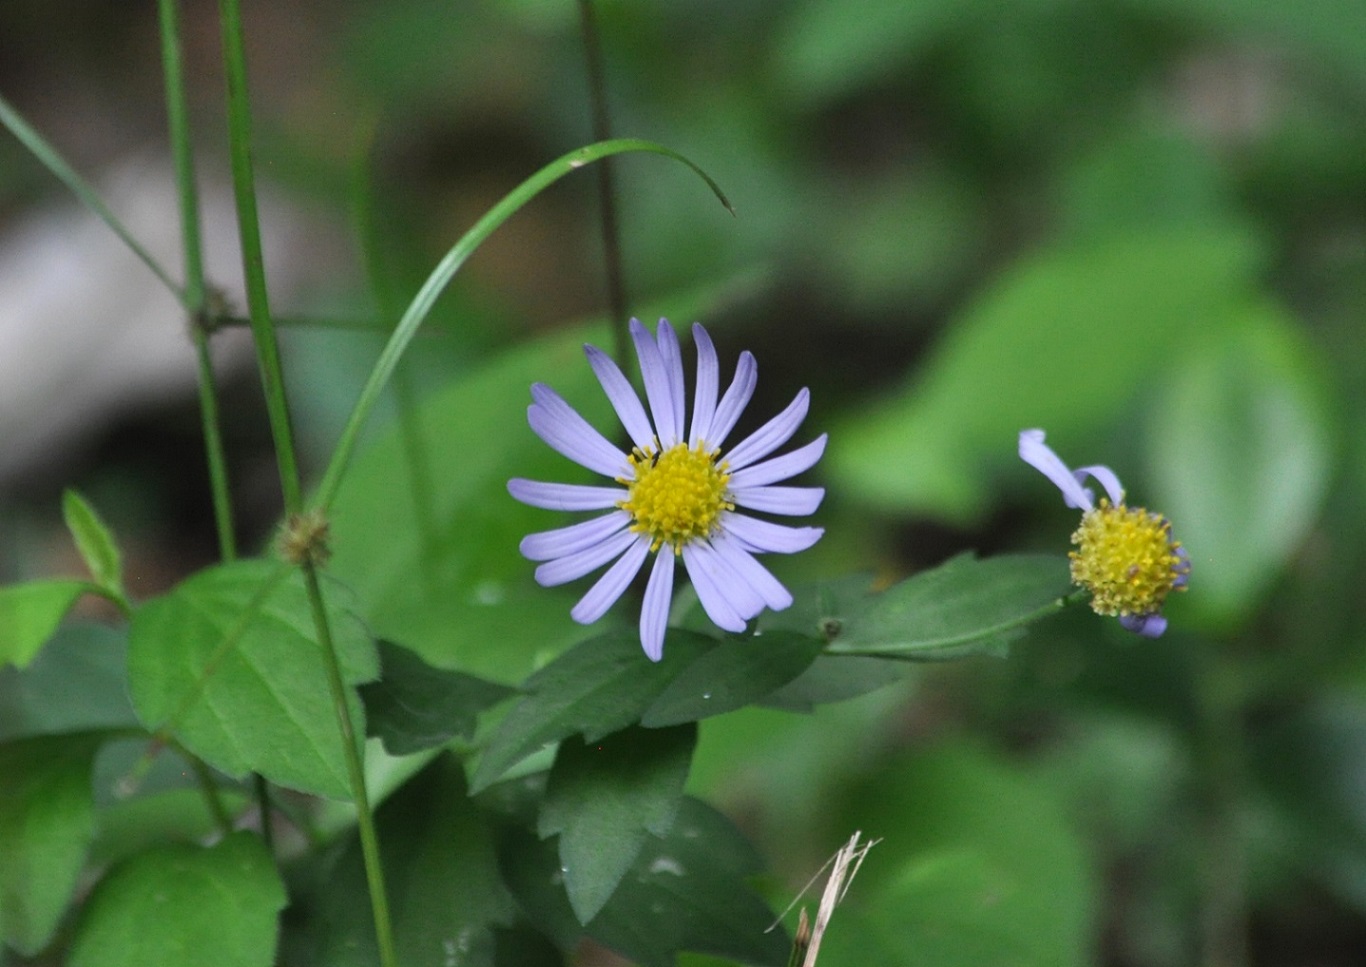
{"points": [[46, 822], [94, 540], [77, 682], [733, 675], [30, 613], [684, 892], [1240, 456], [598, 687], [445, 892], [603, 798], [414, 706], [185, 905], [965, 606], [1043, 337], [229, 661]]}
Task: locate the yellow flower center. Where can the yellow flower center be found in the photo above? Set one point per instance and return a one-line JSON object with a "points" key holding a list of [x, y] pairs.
{"points": [[1127, 559], [676, 496]]}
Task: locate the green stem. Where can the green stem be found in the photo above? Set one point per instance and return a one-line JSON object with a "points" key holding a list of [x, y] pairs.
{"points": [[253, 260], [369, 841], [607, 195], [446, 269], [1223, 863], [82, 189], [210, 790], [178, 124], [268, 356], [261, 789]]}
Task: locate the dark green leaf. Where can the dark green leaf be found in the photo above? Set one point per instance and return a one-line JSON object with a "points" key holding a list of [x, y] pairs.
{"points": [[1242, 483], [30, 613], [731, 676], [46, 819], [965, 606], [78, 681], [415, 706], [602, 800], [445, 893], [185, 905], [837, 678], [125, 827], [598, 687], [684, 892], [230, 662], [94, 540]]}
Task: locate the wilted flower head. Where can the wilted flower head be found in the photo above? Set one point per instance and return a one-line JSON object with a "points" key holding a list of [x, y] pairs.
{"points": [[1125, 556], [675, 495]]}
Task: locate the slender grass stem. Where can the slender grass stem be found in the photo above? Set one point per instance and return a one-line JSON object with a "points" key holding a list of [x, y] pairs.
{"points": [[82, 189], [607, 193], [445, 270], [178, 124], [253, 259], [209, 788], [369, 841]]}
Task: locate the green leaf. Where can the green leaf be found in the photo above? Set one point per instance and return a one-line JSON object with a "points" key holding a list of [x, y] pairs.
{"points": [[445, 892], [604, 797], [738, 672], [94, 540], [1240, 454], [229, 662], [598, 687], [965, 606], [185, 905], [837, 678], [30, 613], [415, 706], [434, 561], [684, 892], [46, 821], [77, 682], [126, 827], [1039, 348]]}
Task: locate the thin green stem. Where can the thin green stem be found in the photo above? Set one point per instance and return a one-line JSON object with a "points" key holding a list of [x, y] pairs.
{"points": [[253, 260], [1220, 777], [209, 788], [178, 124], [446, 269], [261, 789], [82, 189], [369, 841], [607, 194]]}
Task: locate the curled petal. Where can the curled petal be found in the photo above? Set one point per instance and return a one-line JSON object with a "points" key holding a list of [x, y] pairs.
{"points": [[779, 468], [1041, 457], [1147, 625], [1107, 479], [654, 611], [792, 501], [562, 496], [623, 397], [579, 563], [708, 382], [605, 591], [769, 538], [548, 545], [771, 435], [734, 402]]}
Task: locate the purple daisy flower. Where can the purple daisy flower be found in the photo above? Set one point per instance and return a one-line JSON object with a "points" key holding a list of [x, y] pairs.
{"points": [[1125, 556], [676, 491]]}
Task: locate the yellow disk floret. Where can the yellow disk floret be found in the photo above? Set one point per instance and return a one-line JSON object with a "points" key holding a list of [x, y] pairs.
{"points": [[1127, 559], [676, 496]]}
